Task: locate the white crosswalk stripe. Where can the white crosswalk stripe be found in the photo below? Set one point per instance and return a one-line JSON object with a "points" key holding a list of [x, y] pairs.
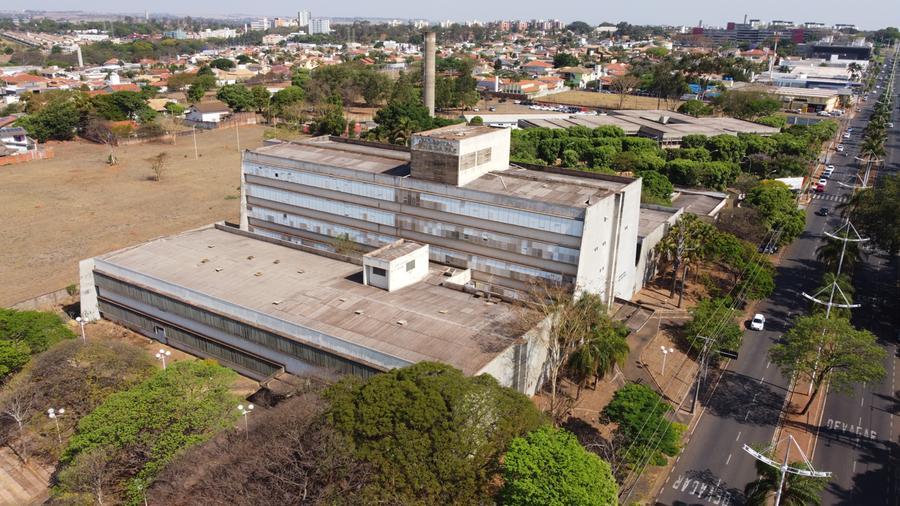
{"points": [[826, 196]]}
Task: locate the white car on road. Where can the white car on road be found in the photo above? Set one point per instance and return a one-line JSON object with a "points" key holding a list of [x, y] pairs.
{"points": [[758, 322], [840, 148]]}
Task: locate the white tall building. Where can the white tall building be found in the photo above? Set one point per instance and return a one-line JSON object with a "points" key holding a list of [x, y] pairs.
{"points": [[303, 18], [261, 24], [319, 25]]}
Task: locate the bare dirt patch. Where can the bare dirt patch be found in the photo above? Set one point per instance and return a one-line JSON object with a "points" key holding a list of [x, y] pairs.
{"points": [[57, 212]]}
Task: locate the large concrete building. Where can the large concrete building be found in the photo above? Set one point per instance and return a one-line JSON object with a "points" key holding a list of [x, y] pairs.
{"points": [[455, 190], [355, 258]]}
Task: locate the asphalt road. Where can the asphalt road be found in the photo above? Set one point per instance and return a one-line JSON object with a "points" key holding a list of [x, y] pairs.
{"points": [[744, 407], [857, 440]]}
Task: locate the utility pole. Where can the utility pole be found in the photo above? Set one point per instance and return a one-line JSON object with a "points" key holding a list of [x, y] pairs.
{"points": [[785, 466], [701, 371], [196, 153]]}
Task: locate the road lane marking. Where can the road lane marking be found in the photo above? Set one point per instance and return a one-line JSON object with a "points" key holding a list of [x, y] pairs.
{"points": [[738, 436], [747, 415], [761, 380], [728, 459], [854, 467], [768, 364], [861, 400]]}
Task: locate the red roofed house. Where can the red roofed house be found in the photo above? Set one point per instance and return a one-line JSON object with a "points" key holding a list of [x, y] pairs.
{"points": [[538, 67]]}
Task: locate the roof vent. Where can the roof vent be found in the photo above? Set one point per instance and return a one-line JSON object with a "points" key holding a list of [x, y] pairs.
{"points": [[218, 269], [401, 322], [251, 257], [359, 311], [204, 260], [276, 302], [257, 274]]}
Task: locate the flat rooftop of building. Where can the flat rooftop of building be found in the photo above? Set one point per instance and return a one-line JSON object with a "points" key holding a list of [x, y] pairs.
{"points": [[652, 217], [456, 132], [327, 295], [394, 250], [701, 203], [570, 189], [649, 122]]}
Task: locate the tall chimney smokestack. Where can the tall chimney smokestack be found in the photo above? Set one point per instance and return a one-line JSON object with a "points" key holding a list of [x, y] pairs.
{"points": [[429, 71]]}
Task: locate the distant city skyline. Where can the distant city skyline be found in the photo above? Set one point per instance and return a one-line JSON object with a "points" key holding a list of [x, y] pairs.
{"points": [[867, 14]]}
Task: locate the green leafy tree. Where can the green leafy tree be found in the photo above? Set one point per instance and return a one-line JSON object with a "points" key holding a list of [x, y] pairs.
{"points": [[222, 64], [695, 108], [37, 329], [237, 96], [260, 97], [562, 59], [819, 349], [655, 188], [144, 427], [634, 407], [714, 318], [548, 467], [778, 209], [876, 213], [58, 121], [431, 434], [123, 105], [175, 109], [202, 83], [13, 356], [332, 121], [747, 105]]}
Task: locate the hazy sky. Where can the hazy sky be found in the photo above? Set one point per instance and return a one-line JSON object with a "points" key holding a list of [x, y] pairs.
{"points": [[865, 13]]}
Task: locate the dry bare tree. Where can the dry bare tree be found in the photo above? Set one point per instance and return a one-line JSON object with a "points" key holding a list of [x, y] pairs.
{"points": [[158, 165], [623, 85], [90, 473], [567, 319]]}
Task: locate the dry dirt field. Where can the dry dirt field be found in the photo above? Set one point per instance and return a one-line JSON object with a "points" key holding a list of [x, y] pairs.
{"points": [[607, 100], [57, 212]]}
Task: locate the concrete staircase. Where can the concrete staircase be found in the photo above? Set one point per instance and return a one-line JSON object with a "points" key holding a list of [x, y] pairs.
{"points": [[21, 484]]}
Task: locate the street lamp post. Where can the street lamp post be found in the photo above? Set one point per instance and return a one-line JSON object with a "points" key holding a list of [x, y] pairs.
{"points": [[665, 353], [161, 355], [54, 415], [246, 412], [81, 322]]}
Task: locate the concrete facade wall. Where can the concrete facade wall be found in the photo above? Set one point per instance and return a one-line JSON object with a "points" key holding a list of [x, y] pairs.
{"points": [[648, 260], [90, 310]]}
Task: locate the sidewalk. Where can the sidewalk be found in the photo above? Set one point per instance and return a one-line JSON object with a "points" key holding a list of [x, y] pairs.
{"points": [[803, 427]]}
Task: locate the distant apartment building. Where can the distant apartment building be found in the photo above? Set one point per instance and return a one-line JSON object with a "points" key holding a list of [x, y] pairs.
{"points": [[261, 24], [319, 25], [303, 18], [220, 33]]}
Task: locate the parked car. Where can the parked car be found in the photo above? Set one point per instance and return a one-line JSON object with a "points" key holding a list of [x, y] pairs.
{"points": [[840, 148], [846, 135], [822, 212], [829, 167], [823, 181], [758, 322]]}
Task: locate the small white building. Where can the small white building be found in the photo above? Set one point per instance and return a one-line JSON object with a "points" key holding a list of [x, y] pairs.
{"points": [[16, 140], [208, 112]]}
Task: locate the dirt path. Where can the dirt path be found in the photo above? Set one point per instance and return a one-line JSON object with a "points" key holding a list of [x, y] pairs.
{"points": [[57, 212]]}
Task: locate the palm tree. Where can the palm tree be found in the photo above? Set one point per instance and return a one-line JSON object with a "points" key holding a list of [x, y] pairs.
{"points": [[683, 244], [797, 491], [829, 253], [603, 348]]}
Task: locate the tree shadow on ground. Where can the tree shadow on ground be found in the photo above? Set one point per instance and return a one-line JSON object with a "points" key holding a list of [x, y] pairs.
{"points": [[747, 400]]}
